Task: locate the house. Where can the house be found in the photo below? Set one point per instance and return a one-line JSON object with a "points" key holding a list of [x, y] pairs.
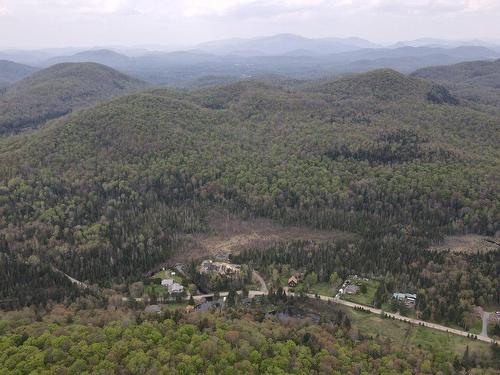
{"points": [[223, 269], [292, 282], [172, 286], [152, 309], [351, 289], [408, 298], [167, 282], [175, 288]]}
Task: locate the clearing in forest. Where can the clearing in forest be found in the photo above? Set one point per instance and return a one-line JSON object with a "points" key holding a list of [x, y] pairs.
{"points": [[230, 234], [470, 243]]}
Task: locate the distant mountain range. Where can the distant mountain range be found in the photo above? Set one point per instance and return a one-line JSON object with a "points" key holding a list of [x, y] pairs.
{"points": [[284, 54], [284, 44], [183, 67]]}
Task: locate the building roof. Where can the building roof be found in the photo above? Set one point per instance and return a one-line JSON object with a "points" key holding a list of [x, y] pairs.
{"points": [[404, 296], [175, 288], [293, 279], [152, 309], [352, 288]]}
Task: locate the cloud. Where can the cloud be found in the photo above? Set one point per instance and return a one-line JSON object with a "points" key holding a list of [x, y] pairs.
{"points": [[245, 8], [3, 8], [421, 6], [275, 8], [180, 21]]}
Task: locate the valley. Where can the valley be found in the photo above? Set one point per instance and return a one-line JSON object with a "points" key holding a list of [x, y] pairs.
{"points": [[344, 222]]}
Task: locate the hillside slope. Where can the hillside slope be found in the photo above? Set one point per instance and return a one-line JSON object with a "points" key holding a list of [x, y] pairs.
{"points": [[101, 56], [111, 191], [12, 71], [57, 90], [477, 73]]}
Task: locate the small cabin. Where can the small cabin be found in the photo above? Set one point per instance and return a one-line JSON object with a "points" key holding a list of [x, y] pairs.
{"points": [[292, 282]]}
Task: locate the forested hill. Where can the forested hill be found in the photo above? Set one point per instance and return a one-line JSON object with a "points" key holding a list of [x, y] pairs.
{"points": [[57, 90], [11, 71], [478, 73], [110, 191]]}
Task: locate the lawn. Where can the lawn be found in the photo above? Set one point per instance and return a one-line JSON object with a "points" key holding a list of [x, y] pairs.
{"points": [[284, 280], [166, 275], [324, 289], [477, 327], [363, 298], [154, 289]]}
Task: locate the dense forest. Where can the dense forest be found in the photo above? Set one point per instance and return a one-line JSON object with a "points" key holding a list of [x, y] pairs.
{"points": [[232, 342], [109, 192]]}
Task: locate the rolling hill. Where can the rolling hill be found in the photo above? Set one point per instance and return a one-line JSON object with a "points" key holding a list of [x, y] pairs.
{"points": [[58, 90], [100, 56], [111, 191], [477, 73], [478, 82], [11, 71]]}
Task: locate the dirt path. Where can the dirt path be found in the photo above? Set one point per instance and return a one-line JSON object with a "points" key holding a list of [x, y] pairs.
{"points": [[78, 283], [263, 286]]}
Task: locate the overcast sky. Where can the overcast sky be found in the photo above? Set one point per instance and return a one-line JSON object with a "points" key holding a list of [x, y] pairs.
{"points": [[57, 23]]}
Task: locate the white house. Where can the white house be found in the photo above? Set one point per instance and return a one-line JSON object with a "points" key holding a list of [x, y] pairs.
{"points": [[175, 288], [172, 286], [167, 282]]}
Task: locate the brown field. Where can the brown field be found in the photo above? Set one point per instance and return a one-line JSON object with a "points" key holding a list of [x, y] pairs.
{"points": [[230, 234], [470, 243]]}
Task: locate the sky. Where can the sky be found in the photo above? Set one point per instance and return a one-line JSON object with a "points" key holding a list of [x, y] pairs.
{"points": [[176, 23]]}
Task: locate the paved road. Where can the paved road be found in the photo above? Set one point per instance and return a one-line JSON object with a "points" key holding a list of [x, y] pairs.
{"points": [[486, 318], [435, 326]]}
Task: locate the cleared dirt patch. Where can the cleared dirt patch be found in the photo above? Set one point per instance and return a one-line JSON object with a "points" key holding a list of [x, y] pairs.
{"points": [[230, 234], [470, 243]]}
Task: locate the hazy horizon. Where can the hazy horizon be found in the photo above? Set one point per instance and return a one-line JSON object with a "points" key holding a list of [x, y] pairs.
{"points": [[38, 24]]}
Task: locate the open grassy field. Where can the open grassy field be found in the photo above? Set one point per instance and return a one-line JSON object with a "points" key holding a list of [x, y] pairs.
{"points": [[405, 334]]}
